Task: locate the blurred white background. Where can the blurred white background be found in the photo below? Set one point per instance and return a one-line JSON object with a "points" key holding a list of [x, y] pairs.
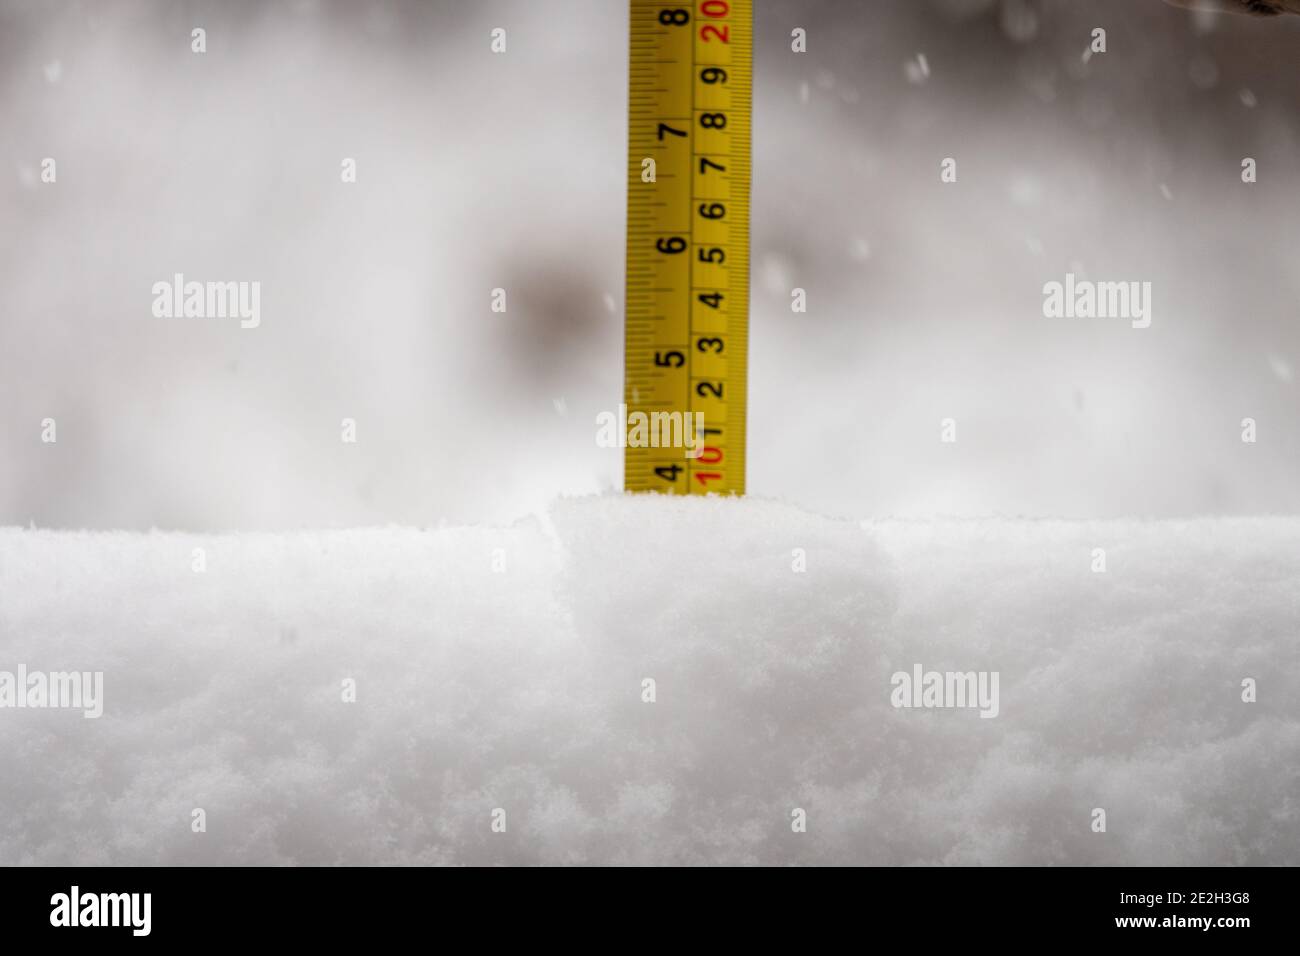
{"points": [[479, 171]]}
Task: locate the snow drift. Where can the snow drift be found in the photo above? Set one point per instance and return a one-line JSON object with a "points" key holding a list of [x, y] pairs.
{"points": [[504, 669]]}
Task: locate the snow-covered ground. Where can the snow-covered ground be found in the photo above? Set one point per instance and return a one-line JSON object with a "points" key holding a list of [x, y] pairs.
{"points": [[521, 689]]}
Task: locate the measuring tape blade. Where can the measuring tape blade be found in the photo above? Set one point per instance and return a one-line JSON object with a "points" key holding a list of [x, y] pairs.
{"points": [[687, 306]]}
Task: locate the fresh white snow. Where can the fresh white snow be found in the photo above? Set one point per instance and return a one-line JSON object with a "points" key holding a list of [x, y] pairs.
{"points": [[521, 689]]}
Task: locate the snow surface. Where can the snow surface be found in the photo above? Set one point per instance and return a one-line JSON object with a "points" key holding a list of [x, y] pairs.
{"points": [[522, 690]]}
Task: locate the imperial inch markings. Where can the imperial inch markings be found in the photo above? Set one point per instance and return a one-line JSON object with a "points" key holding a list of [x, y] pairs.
{"points": [[687, 330]]}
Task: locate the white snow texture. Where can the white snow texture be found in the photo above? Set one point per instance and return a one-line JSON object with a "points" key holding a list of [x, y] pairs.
{"points": [[522, 690]]}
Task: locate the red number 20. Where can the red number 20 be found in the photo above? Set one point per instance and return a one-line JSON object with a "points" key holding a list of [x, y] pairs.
{"points": [[715, 9]]}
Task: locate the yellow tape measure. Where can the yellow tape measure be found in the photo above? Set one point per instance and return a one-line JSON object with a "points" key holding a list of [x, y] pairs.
{"points": [[687, 306]]}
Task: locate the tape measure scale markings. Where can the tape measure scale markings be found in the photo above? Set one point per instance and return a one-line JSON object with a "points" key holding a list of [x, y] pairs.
{"points": [[687, 303]]}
